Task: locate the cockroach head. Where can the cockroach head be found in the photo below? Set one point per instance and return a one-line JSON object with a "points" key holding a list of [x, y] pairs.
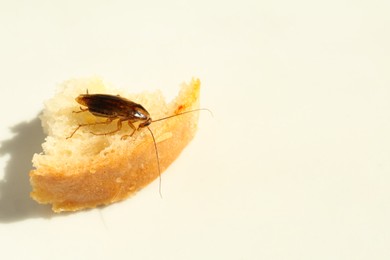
{"points": [[146, 123], [142, 115]]}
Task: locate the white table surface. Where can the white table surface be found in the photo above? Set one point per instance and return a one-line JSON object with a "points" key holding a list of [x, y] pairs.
{"points": [[293, 165]]}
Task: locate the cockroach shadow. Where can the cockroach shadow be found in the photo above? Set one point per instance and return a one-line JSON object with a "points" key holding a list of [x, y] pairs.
{"points": [[15, 201]]}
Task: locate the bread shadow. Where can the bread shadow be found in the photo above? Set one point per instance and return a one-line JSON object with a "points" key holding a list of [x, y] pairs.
{"points": [[15, 201]]}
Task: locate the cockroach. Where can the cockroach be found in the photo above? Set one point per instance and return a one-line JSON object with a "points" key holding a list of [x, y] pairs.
{"points": [[115, 107]]}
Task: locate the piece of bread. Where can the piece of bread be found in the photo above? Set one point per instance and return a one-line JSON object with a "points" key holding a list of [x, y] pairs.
{"points": [[89, 170]]}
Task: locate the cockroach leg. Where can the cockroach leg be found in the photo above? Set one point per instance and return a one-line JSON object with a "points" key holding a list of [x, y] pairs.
{"points": [[119, 126], [108, 121], [81, 110], [74, 131], [124, 137]]}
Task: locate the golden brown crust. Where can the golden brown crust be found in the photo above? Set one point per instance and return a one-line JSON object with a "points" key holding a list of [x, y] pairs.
{"points": [[119, 176]]}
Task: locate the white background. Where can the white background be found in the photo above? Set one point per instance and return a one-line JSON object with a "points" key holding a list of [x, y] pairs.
{"points": [[293, 165]]}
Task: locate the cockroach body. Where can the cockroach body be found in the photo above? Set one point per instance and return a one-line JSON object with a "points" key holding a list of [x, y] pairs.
{"points": [[114, 107]]}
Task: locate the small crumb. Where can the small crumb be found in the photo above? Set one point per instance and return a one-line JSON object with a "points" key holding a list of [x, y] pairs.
{"points": [[179, 109]]}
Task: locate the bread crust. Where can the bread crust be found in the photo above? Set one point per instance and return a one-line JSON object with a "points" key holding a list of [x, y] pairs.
{"points": [[119, 175]]}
